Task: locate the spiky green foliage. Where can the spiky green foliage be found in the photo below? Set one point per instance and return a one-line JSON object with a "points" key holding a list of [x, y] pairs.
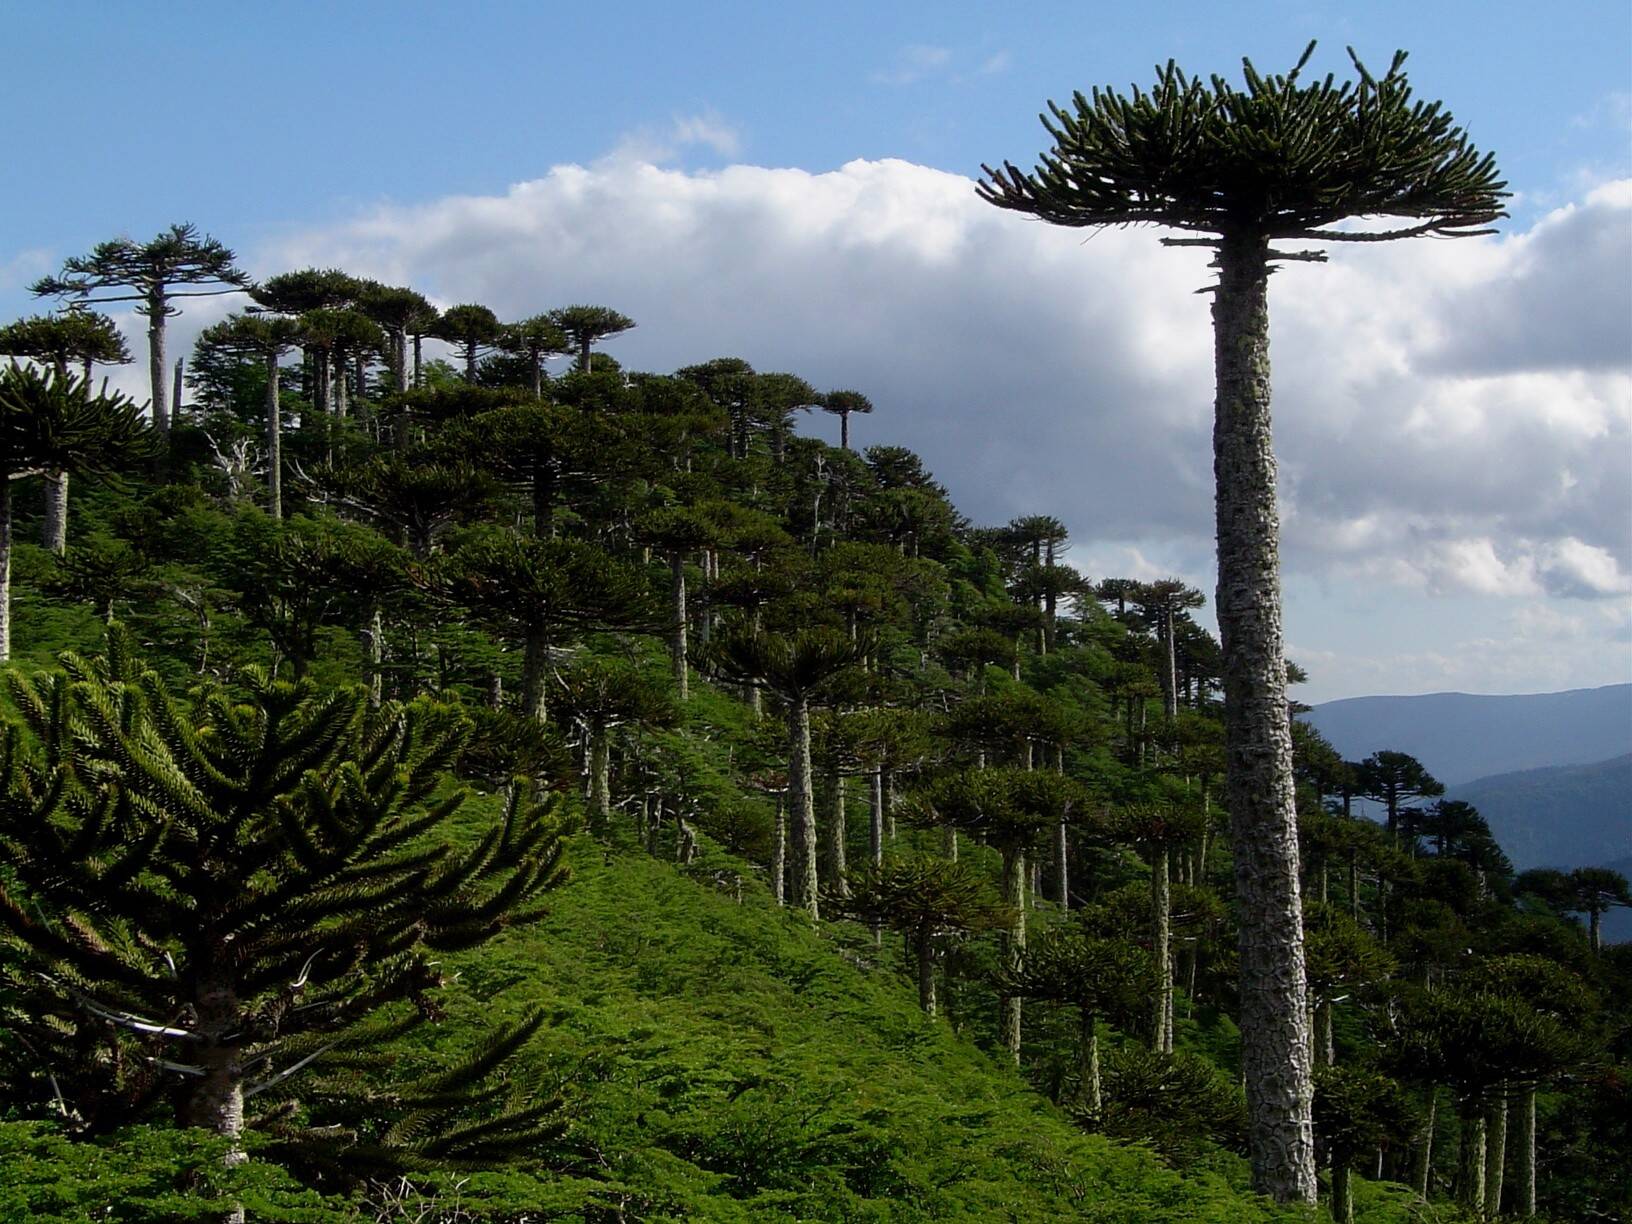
{"points": [[74, 336], [586, 326], [210, 894], [178, 256], [1281, 158]]}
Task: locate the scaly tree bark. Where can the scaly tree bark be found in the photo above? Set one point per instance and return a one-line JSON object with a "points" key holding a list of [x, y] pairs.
{"points": [[1244, 168]]}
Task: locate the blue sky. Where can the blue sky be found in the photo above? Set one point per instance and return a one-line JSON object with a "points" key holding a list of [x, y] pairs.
{"points": [[782, 181]]}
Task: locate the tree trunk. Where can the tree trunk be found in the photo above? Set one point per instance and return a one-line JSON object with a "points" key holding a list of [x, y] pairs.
{"points": [[1342, 1193], [1470, 1190], [1422, 1158], [1161, 905], [925, 948], [1088, 1062], [1062, 866], [949, 844], [1014, 944], [677, 635], [274, 441], [802, 806], [779, 854], [583, 356], [55, 531], [1258, 742], [376, 659], [215, 1099], [844, 431], [1524, 1176], [157, 370], [337, 380], [419, 365], [535, 662], [600, 779], [5, 566], [1495, 1150], [1596, 930], [837, 835], [875, 817], [1325, 1050]]}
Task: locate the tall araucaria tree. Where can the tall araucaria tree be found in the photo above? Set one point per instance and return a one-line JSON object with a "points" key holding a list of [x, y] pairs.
{"points": [[586, 326], [267, 337], [155, 272], [81, 336], [1243, 169], [471, 329], [536, 340], [52, 422]]}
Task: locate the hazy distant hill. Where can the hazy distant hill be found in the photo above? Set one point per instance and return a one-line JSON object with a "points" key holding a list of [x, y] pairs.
{"points": [[1563, 816], [1462, 736]]}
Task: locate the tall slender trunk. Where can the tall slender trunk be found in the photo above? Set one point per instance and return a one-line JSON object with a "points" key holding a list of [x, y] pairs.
{"points": [[1422, 1156], [1088, 1061], [1495, 1149], [600, 778], [1471, 1174], [583, 356], [924, 945], [1062, 866], [779, 854], [837, 835], [274, 440], [949, 843], [157, 367], [677, 635], [1161, 908], [844, 431], [535, 662], [399, 358], [54, 533], [376, 659], [175, 397], [875, 817], [5, 566], [419, 364], [1014, 944], [802, 806], [1524, 1175], [1258, 742]]}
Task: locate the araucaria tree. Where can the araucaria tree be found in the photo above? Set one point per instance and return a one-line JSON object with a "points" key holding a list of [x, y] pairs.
{"points": [[205, 896], [1242, 169], [52, 422], [156, 273]]}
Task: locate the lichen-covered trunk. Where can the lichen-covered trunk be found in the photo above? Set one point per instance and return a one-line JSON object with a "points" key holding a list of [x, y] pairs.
{"points": [[875, 817], [419, 363], [535, 662], [1342, 1193], [1062, 866], [274, 440], [1495, 1149], [600, 779], [1088, 1061], [1014, 944], [779, 854], [802, 809], [1471, 1171], [1161, 948], [157, 367], [677, 634], [837, 834], [5, 566], [924, 945], [214, 1100], [54, 527], [1422, 1155], [376, 659], [1524, 1173], [1258, 741]]}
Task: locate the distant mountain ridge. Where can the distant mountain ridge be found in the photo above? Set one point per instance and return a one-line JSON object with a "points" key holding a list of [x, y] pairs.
{"points": [[1461, 737], [1561, 816]]}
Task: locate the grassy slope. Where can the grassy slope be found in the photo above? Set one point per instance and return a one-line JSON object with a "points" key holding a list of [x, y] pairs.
{"points": [[728, 1062]]}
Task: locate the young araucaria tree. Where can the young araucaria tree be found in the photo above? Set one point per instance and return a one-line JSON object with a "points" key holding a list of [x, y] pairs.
{"points": [[156, 273], [1281, 160], [203, 897]]}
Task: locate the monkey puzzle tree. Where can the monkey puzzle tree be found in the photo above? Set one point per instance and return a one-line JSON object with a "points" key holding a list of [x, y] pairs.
{"points": [[267, 337], [1355, 1112], [203, 897], [676, 531], [52, 422], [799, 668], [394, 309], [535, 339], [586, 326], [1243, 169], [471, 329], [1094, 975], [601, 695], [152, 271], [1596, 890], [1393, 779], [75, 335], [841, 404], [926, 899]]}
